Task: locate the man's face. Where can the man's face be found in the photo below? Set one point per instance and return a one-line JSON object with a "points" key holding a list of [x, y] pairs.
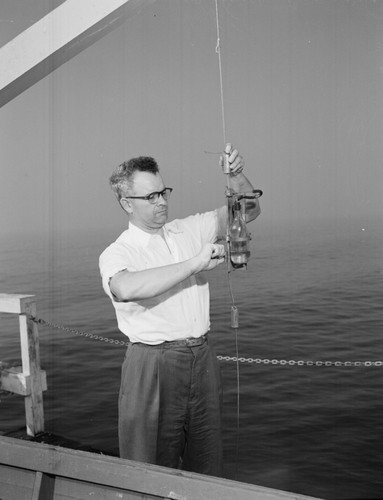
{"points": [[147, 216]]}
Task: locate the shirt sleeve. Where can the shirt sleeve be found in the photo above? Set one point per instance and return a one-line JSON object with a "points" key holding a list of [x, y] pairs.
{"points": [[112, 261], [209, 226], [203, 226]]}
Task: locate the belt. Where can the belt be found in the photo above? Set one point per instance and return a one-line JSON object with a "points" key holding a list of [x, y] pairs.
{"points": [[189, 342]]}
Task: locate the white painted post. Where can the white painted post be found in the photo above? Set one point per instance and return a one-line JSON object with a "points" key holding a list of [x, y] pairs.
{"points": [[30, 355], [28, 380]]}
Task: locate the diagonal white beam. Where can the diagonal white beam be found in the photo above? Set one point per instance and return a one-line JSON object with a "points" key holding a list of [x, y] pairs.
{"points": [[56, 38]]}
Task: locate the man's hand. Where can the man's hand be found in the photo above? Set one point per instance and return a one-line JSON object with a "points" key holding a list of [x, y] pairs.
{"points": [[238, 183], [210, 257], [236, 161]]}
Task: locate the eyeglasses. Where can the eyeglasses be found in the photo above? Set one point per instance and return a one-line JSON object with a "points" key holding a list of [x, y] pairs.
{"points": [[153, 197]]}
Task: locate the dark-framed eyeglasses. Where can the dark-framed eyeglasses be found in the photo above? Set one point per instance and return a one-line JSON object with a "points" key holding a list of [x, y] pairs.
{"points": [[153, 197]]}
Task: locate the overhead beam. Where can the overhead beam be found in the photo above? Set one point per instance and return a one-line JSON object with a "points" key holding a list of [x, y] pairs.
{"points": [[56, 38]]}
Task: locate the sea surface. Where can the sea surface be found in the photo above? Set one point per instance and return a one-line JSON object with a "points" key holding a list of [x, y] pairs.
{"points": [[312, 292]]}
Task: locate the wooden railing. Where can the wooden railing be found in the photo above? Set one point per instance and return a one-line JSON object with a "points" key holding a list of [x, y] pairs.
{"points": [[40, 471], [27, 380]]}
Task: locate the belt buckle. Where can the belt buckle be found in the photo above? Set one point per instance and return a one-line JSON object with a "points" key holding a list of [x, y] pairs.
{"points": [[188, 341]]}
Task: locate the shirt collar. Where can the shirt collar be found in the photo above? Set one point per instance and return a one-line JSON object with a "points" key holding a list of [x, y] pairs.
{"points": [[173, 227], [143, 238], [136, 234]]}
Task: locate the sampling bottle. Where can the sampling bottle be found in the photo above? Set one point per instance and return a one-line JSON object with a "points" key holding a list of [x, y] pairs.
{"points": [[239, 238]]}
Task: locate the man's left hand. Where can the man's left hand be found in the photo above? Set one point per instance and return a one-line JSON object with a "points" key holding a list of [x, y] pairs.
{"points": [[236, 161]]}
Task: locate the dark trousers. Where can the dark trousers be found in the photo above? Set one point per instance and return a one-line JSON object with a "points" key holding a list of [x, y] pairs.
{"points": [[170, 407]]}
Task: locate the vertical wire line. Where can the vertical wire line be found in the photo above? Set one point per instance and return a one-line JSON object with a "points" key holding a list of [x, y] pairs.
{"points": [[218, 51], [237, 371], [237, 430]]}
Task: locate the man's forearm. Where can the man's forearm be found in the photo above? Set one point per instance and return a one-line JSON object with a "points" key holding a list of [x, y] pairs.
{"points": [[132, 286], [139, 285]]}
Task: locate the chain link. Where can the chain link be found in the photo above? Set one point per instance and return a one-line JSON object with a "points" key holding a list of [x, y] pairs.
{"points": [[282, 362]]}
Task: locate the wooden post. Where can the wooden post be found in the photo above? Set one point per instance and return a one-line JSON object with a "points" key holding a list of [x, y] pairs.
{"points": [[28, 380]]}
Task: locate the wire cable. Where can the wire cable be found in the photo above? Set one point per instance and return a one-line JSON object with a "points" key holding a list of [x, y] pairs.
{"points": [[233, 307], [218, 51]]}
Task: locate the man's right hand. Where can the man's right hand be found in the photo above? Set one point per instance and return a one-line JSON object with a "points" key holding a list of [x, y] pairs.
{"points": [[210, 257]]}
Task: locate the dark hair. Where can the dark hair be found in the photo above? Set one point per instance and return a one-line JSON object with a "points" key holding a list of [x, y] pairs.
{"points": [[122, 178]]}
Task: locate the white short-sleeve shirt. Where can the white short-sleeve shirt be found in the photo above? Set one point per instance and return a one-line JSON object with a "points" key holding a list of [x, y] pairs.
{"points": [[178, 313]]}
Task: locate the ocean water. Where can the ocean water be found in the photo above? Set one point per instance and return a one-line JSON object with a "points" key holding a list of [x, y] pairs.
{"points": [[311, 292]]}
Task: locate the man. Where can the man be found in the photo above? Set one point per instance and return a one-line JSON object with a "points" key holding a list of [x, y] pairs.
{"points": [[170, 394]]}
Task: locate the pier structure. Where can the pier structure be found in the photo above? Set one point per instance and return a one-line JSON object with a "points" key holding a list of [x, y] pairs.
{"points": [[27, 379], [41, 471], [59, 36]]}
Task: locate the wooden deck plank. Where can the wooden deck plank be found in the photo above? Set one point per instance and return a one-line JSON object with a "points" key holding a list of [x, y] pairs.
{"points": [[16, 483], [69, 489]]}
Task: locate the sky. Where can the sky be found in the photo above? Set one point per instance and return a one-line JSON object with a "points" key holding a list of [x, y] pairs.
{"points": [[303, 101]]}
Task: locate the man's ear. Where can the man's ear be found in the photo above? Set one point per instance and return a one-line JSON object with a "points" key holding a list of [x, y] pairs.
{"points": [[126, 205]]}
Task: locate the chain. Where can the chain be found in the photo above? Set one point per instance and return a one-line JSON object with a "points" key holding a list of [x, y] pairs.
{"points": [[79, 333], [293, 362], [282, 362]]}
